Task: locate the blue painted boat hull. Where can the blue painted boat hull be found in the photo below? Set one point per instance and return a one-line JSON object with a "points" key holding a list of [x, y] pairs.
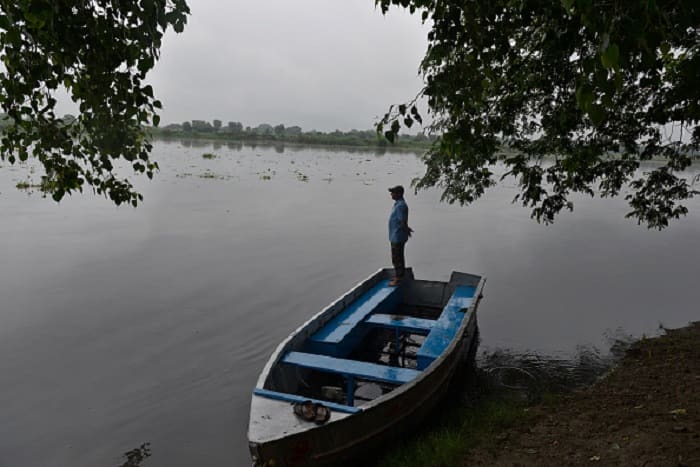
{"points": [[276, 438]]}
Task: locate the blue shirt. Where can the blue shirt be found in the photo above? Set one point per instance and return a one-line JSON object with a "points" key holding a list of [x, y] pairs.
{"points": [[397, 218]]}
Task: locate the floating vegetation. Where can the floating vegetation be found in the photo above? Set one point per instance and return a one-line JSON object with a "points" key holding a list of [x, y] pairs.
{"points": [[301, 176], [210, 175], [46, 185], [268, 175], [27, 185], [214, 176], [209, 155], [183, 175]]}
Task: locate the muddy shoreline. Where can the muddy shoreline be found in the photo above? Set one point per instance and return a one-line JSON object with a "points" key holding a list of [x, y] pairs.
{"points": [[645, 412]]}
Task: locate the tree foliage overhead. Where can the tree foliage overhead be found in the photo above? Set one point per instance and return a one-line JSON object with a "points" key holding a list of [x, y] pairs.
{"points": [[100, 52], [579, 91]]}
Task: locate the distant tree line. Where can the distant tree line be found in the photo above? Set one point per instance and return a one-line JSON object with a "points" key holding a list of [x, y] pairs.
{"points": [[66, 120], [236, 131]]}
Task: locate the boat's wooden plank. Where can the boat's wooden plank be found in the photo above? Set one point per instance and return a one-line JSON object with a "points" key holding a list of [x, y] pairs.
{"points": [[446, 326], [337, 329], [403, 323], [352, 368], [283, 396]]}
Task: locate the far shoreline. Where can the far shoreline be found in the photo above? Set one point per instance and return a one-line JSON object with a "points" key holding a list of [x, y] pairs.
{"points": [[357, 139], [269, 143]]}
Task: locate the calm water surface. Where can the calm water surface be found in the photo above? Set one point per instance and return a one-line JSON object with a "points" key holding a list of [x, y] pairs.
{"points": [[120, 326]]}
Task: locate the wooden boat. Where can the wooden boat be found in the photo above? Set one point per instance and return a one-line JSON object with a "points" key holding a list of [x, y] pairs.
{"points": [[378, 358]]}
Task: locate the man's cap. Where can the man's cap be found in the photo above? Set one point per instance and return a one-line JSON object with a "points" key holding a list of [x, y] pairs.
{"points": [[396, 189]]}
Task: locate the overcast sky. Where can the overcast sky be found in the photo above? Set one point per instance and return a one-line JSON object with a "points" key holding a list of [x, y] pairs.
{"points": [[320, 64]]}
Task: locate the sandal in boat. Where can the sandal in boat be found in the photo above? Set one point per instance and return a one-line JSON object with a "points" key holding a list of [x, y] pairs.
{"points": [[305, 410], [323, 413]]}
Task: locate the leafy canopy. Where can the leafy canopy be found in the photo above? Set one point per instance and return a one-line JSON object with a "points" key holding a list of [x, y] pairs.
{"points": [[579, 92], [100, 52]]}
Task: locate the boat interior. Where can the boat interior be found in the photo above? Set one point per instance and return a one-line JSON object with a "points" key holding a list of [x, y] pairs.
{"points": [[372, 340]]}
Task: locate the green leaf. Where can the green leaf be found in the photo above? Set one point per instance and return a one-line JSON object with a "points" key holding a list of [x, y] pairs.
{"points": [[610, 57], [145, 64], [416, 115], [34, 21], [4, 22], [395, 127], [584, 97], [596, 113]]}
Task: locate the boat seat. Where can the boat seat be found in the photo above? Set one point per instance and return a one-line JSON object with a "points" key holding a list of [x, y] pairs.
{"points": [[336, 337], [402, 323], [295, 398], [352, 369], [445, 327]]}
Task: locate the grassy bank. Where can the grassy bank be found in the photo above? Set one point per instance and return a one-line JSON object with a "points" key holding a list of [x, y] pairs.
{"points": [[457, 430], [646, 411]]}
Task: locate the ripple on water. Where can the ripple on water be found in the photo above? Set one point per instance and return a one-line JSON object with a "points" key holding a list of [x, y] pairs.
{"points": [[536, 373]]}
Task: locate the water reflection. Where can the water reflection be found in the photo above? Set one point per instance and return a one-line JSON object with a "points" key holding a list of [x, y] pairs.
{"points": [[531, 374], [136, 456], [234, 146], [280, 147], [200, 143]]}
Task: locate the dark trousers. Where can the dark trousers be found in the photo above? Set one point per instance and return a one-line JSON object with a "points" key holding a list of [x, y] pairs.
{"points": [[397, 258]]}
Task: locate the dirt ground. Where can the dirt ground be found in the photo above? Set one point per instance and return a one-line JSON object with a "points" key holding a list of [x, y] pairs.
{"points": [[646, 412]]}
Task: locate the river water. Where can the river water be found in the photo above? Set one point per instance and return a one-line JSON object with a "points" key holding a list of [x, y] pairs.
{"points": [[121, 326]]}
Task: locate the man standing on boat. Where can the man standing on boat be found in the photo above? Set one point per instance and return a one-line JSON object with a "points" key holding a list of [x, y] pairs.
{"points": [[399, 231]]}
